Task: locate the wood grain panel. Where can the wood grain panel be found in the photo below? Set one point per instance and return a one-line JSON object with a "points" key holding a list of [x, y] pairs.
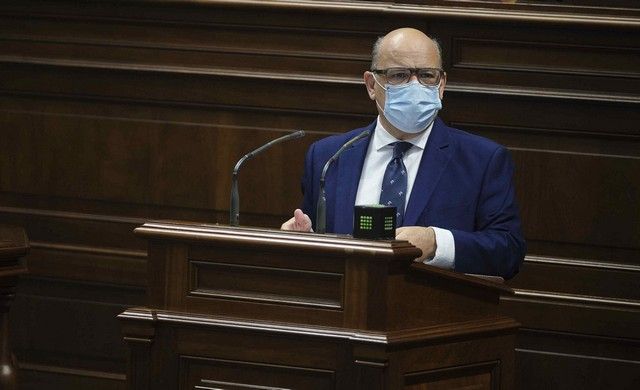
{"points": [[71, 329], [140, 162], [88, 264], [476, 376], [202, 86], [423, 370], [284, 286], [234, 346], [590, 358], [228, 374], [556, 58], [77, 229], [285, 15], [174, 113], [587, 372], [564, 59], [114, 130], [81, 245], [608, 347], [300, 309], [575, 141], [197, 46], [561, 210], [587, 114], [580, 315], [603, 280], [309, 262]]}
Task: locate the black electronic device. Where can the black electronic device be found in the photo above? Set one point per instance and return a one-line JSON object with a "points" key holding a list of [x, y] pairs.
{"points": [[377, 222]]}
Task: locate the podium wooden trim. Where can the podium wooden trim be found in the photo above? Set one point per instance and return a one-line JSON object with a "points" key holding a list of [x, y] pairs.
{"points": [[236, 308]]}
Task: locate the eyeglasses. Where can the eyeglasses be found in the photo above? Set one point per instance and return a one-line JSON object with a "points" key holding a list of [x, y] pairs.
{"points": [[397, 76]]}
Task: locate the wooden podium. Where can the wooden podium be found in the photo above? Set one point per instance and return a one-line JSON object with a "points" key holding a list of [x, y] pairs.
{"points": [[242, 308]]}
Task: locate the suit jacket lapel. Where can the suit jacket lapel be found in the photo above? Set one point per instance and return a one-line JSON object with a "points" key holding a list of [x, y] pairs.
{"points": [[348, 175], [434, 160]]}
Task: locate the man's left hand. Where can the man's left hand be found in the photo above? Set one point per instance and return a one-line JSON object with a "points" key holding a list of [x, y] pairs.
{"points": [[422, 237]]}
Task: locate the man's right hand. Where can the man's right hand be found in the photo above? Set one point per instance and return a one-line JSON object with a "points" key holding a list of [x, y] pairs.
{"points": [[300, 222]]}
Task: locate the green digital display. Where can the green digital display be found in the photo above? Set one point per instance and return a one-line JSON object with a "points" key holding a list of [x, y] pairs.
{"points": [[366, 222], [388, 223]]}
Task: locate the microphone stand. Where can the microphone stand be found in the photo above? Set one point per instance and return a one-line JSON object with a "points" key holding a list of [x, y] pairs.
{"points": [[234, 210], [321, 207]]}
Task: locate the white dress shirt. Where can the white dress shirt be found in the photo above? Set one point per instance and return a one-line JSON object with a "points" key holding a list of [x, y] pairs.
{"points": [[378, 156]]}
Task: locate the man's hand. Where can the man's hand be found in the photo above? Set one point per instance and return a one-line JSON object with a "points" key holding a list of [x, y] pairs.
{"points": [[422, 237], [299, 222]]}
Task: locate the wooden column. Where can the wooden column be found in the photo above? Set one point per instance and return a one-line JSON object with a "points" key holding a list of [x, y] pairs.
{"points": [[13, 246]]}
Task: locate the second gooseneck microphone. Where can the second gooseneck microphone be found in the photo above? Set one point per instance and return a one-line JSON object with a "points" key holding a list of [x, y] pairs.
{"points": [[321, 209], [234, 211]]}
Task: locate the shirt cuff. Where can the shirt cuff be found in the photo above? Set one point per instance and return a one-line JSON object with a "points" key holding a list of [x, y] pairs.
{"points": [[445, 249]]}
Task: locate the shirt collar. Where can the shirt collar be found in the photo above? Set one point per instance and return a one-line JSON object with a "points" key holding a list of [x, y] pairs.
{"points": [[382, 138]]}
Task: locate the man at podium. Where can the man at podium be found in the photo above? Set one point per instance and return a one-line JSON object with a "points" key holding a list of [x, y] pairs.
{"points": [[453, 191]]}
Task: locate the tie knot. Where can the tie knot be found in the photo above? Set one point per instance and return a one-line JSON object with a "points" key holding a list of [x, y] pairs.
{"points": [[400, 148]]}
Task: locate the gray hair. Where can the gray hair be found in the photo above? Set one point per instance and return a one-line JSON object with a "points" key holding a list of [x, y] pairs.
{"points": [[375, 52]]}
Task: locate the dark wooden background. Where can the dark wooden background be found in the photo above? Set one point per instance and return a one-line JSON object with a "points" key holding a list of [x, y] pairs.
{"points": [[116, 112]]}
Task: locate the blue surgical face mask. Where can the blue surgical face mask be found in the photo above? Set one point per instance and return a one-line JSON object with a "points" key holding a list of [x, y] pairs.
{"points": [[411, 107]]}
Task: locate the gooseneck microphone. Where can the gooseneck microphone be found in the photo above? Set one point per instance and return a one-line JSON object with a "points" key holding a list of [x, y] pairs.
{"points": [[321, 209], [234, 211]]}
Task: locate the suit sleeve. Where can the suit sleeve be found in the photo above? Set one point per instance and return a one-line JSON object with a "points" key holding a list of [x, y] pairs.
{"points": [[497, 246]]}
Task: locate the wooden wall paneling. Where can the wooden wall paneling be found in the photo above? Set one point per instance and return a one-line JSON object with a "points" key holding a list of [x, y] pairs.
{"points": [[136, 39], [573, 216], [233, 89], [116, 112], [84, 271], [610, 280], [66, 333], [596, 60], [603, 67], [576, 361], [73, 246], [133, 193], [140, 162], [213, 45]]}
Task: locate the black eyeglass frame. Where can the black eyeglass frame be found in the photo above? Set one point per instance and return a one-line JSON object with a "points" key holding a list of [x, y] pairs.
{"points": [[412, 71]]}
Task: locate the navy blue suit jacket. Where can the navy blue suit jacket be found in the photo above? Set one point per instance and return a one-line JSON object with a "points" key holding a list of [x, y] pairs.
{"points": [[464, 184]]}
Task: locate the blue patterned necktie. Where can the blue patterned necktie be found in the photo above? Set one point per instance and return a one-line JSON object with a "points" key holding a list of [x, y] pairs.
{"points": [[394, 183]]}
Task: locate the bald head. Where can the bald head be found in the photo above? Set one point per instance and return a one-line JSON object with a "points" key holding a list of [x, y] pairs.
{"points": [[405, 47]]}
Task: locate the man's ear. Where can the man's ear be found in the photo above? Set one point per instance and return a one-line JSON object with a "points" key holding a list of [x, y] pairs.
{"points": [[443, 82], [370, 83]]}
